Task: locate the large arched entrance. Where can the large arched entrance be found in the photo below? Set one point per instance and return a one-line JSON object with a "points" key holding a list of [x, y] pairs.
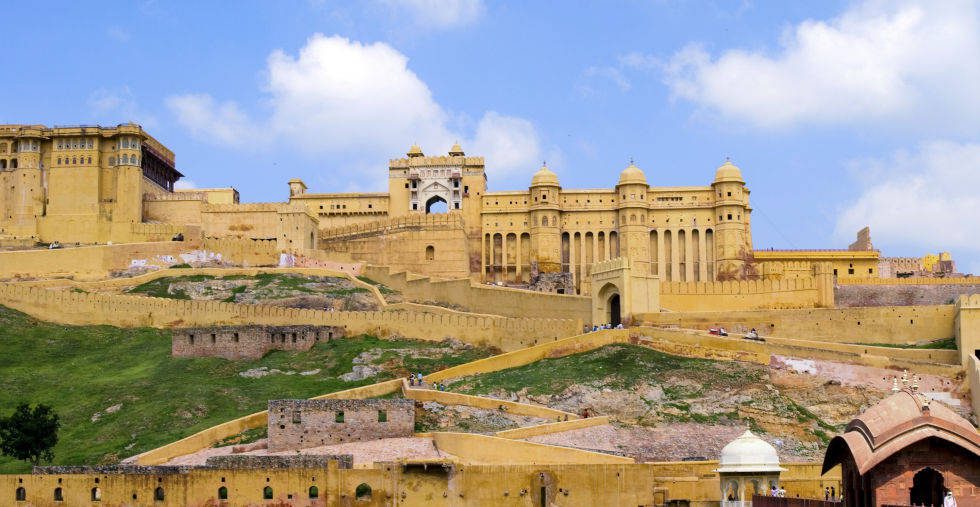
{"points": [[615, 313], [436, 204], [927, 488]]}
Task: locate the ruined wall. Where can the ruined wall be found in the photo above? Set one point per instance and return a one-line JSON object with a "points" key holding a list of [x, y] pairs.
{"points": [[463, 293], [904, 291], [247, 342], [75, 308], [886, 324], [299, 424]]}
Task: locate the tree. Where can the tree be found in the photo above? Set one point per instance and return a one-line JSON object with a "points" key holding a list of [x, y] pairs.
{"points": [[29, 434]]}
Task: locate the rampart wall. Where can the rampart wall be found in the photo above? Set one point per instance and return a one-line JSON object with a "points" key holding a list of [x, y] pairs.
{"points": [[905, 294], [886, 324], [247, 342], [427, 244], [74, 308], [299, 424], [740, 295], [463, 293]]}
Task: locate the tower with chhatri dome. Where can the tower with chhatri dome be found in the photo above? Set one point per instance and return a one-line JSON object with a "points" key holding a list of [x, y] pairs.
{"points": [[748, 466]]}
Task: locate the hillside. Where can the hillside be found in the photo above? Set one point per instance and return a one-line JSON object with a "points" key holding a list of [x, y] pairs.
{"points": [[670, 407], [119, 392]]}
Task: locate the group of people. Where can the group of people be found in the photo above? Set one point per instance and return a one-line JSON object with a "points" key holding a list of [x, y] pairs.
{"points": [[830, 495], [416, 379], [600, 327]]}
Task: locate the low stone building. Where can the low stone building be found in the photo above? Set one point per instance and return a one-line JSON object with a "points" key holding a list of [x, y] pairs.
{"points": [[298, 424], [248, 342], [907, 451]]}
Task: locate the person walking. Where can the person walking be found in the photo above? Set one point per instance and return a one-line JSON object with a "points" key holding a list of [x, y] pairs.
{"points": [[948, 500]]}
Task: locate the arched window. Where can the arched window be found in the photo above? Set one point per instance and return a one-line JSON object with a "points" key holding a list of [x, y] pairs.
{"points": [[90, 160], [74, 161], [58, 495], [21, 494], [3, 163], [96, 494], [132, 159], [430, 253], [362, 492], [267, 493], [222, 493], [158, 494], [314, 492], [544, 220], [339, 417], [13, 163]]}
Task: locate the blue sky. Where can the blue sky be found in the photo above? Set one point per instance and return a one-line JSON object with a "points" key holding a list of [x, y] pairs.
{"points": [[840, 114]]}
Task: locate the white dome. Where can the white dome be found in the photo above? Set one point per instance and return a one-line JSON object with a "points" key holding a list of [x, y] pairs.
{"points": [[749, 453]]}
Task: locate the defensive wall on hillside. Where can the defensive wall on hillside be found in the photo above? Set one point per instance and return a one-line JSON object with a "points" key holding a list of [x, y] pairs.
{"points": [[68, 307], [886, 324], [483, 298]]}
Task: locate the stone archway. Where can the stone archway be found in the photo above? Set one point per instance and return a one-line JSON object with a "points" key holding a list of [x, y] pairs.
{"points": [[928, 487], [436, 204], [608, 305]]}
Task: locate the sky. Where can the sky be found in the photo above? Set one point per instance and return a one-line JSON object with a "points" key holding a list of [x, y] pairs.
{"points": [[840, 114]]}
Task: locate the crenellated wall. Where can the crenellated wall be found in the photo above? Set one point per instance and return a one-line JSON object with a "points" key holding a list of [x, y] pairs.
{"points": [[740, 295], [886, 324], [463, 293], [247, 342], [68, 307]]}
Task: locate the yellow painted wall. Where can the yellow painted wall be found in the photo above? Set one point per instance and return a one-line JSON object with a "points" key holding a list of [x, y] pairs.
{"points": [[959, 280], [483, 298], [473, 448], [885, 324], [87, 261], [555, 427], [739, 295]]}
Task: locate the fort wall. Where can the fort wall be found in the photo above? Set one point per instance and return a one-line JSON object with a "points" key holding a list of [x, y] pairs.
{"points": [[511, 407], [74, 308], [555, 427], [463, 293], [430, 244], [740, 295], [886, 324], [91, 261], [299, 424], [905, 294]]}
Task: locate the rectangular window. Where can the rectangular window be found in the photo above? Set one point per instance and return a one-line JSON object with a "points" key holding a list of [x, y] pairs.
{"points": [[382, 416], [850, 271], [339, 417], [297, 417]]}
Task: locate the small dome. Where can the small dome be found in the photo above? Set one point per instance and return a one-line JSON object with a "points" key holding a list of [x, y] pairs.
{"points": [[544, 176], [456, 150], [415, 151], [632, 175], [749, 453], [728, 172]]}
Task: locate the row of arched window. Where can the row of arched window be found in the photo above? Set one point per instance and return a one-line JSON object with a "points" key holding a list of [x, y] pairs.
{"points": [[363, 491], [12, 164], [75, 144], [75, 161]]}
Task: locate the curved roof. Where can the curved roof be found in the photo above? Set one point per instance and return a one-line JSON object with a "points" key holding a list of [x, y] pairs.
{"points": [[895, 423], [749, 453], [415, 151], [728, 172], [544, 176], [632, 175]]}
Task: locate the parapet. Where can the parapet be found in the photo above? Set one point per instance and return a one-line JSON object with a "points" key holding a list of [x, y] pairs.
{"points": [[245, 462]]}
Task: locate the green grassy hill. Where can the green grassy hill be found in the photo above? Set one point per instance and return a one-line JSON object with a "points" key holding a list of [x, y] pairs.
{"points": [[84, 370]]}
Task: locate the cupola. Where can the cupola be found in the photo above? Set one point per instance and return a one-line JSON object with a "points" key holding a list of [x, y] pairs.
{"points": [[544, 176], [415, 151], [456, 150], [749, 453], [728, 172], [632, 175]]}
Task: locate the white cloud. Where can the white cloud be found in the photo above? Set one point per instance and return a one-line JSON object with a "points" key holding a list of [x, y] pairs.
{"points": [[216, 123], [361, 101], [185, 184], [439, 13], [925, 201], [117, 105], [913, 61]]}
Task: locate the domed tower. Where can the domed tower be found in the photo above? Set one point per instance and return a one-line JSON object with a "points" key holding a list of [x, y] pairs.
{"points": [[545, 228], [732, 240], [748, 465], [634, 234]]}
